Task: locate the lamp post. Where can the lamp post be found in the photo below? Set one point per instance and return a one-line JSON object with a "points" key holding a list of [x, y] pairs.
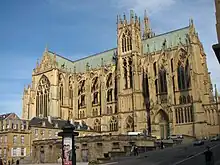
{"points": [[68, 144]]}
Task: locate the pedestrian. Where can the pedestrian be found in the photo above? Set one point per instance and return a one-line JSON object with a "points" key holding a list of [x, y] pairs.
{"points": [[132, 149], [1, 162], [135, 151], [161, 145], [209, 160]]}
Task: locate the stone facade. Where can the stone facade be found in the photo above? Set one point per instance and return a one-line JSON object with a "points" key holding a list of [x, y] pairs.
{"points": [[14, 138], [154, 83], [90, 148]]}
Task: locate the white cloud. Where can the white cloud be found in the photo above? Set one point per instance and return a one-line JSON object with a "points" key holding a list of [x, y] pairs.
{"points": [[140, 5]]}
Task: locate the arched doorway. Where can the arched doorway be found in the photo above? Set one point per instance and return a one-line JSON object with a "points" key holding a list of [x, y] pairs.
{"points": [[162, 121]]}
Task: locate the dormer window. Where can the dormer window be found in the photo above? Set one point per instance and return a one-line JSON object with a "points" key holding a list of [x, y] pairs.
{"points": [[56, 125], [43, 123]]}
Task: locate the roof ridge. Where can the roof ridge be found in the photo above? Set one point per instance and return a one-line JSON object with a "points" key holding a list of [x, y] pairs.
{"points": [[60, 56], [94, 55], [168, 32]]}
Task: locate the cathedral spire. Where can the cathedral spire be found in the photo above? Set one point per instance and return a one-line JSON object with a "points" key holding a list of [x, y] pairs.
{"points": [[147, 30]]}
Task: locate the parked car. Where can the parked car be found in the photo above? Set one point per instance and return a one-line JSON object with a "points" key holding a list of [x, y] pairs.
{"points": [[214, 138], [198, 142]]}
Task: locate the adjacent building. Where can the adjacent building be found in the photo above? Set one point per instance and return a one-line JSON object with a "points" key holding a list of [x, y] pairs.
{"points": [[14, 137], [44, 130], [217, 13], [158, 83], [216, 47]]}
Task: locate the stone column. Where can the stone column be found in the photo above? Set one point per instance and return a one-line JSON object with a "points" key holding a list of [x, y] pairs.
{"points": [[4, 124], [75, 98], [54, 108]]}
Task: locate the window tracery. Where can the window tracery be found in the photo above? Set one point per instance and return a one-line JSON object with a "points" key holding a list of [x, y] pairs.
{"points": [[97, 125], [42, 97], [113, 124], [128, 72], [109, 85], [95, 90], [183, 73], [61, 89], [129, 123], [81, 94], [126, 41], [71, 91], [162, 80]]}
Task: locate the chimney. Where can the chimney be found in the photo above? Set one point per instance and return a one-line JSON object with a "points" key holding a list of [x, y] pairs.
{"points": [[49, 119]]}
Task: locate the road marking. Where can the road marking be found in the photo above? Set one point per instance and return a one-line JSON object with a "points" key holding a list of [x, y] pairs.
{"points": [[110, 163], [200, 153]]}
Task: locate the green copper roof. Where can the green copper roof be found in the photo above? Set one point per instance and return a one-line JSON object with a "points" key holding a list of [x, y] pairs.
{"points": [[153, 44], [95, 61], [172, 39]]}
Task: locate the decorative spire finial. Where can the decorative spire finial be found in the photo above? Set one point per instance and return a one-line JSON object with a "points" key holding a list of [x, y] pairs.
{"points": [[46, 48], [191, 22]]}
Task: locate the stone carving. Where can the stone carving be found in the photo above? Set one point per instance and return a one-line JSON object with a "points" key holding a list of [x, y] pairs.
{"points": [[46, 63]]}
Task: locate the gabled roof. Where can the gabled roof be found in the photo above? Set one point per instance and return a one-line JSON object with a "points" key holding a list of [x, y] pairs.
{"points": [[55, 123], [173, 38], [8, 115]]}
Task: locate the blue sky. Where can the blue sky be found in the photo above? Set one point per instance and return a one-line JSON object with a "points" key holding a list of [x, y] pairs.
{"points": [[76, 29]]}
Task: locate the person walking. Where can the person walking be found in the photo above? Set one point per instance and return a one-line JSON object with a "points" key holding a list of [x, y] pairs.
{"points": [[209, 160], [1, 162]]}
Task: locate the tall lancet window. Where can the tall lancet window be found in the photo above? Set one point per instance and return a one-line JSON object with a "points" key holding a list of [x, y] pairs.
{"points": [[61, 89], [184, 80], [95, 90], [187, 74], [109, 86], [126, 41], [125, 73], [130, 72], [42, 97], [71, 91], [162, 81]]}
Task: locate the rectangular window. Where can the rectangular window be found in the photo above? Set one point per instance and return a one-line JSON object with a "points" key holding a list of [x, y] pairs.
{"points": [[36, 132], [6, 139], [50, 133], [15, 139], [22, 139], [1, 139], [22, 152], [14, 152], [5, 152], [0, 152], [42, 132]]}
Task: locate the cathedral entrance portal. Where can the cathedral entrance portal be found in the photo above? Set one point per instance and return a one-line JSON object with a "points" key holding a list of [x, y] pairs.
{"points": [[162, 120]]}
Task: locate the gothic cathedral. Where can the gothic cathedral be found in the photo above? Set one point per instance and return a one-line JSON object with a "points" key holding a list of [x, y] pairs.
{"points": [[159, 84]]}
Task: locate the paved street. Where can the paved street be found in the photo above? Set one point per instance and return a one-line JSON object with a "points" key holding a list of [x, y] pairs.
{"points": [[173, 156]]}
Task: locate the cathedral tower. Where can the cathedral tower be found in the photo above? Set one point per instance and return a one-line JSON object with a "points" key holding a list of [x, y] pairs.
{"points": [[128, 69]]}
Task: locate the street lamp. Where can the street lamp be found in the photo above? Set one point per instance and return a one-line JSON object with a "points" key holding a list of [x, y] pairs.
{"points": [[68, 144]]}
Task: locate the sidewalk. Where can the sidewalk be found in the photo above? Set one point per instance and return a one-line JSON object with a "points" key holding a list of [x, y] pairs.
{"points": [[78, 163]]}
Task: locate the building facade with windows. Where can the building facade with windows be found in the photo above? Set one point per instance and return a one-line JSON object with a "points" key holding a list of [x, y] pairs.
{"points": [[159, 84], [14, 137]]}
